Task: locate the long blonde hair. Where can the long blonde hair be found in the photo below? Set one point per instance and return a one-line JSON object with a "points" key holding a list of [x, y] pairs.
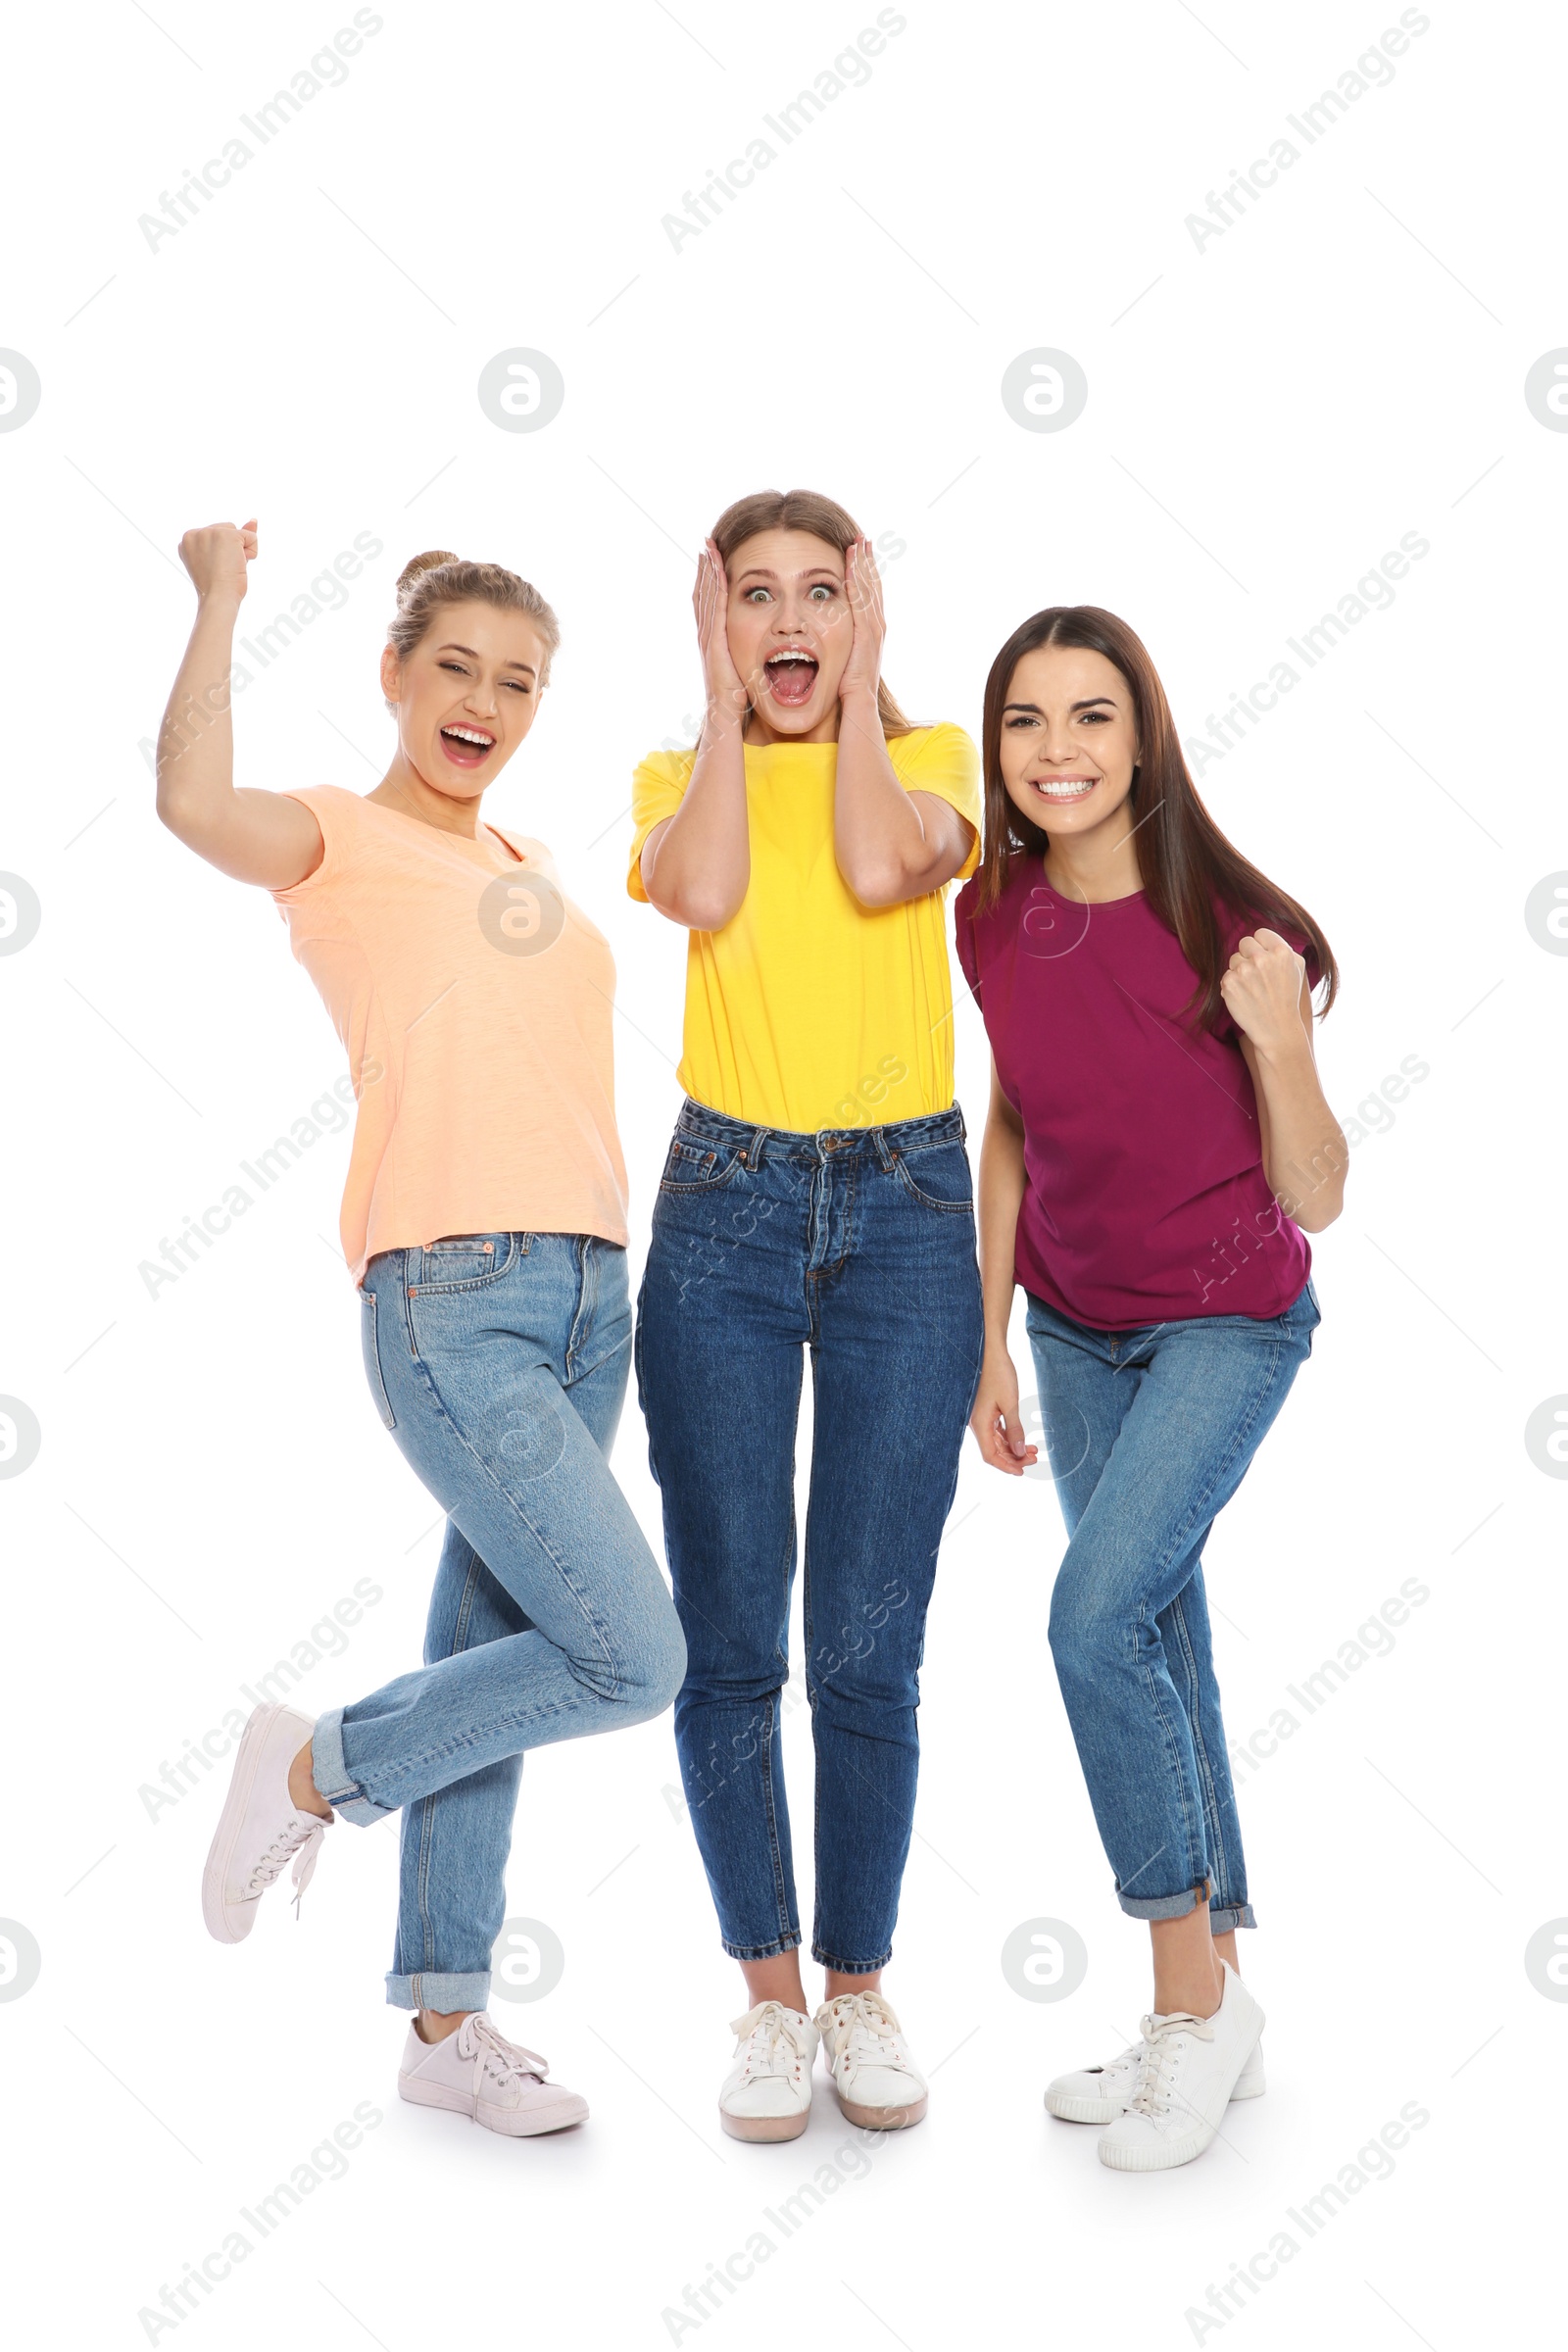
{"points": [[428, 583], [824, 518]]}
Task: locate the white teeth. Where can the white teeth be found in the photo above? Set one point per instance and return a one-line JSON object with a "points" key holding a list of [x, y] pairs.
{"points": [[792, 653], [469, 735], [1067, 788]]}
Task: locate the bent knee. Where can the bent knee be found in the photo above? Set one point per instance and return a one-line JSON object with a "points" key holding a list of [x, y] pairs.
{"points": [[1086, 1637], [654, 1679]]}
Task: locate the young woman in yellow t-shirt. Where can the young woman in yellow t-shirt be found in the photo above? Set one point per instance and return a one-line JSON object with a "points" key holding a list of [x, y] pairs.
{"points": [[484, 1222], [816, 1196]]}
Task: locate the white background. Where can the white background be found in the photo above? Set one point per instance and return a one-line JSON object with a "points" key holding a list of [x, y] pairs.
{"points": [[1266, 415]]}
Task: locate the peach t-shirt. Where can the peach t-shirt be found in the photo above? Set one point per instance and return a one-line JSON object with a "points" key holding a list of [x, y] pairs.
{"points": [[473, 1000]]}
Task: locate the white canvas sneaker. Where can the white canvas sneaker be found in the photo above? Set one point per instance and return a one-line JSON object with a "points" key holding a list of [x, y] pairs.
{"points": [[768, 2091], [1188, 2070], [476, 2071], [1097, 2094], [259, 1827], [879, 2086]]}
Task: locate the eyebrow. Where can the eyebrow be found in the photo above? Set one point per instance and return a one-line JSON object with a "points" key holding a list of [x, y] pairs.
{"points": [[1088, 702], [817, 571], [473, 656]]}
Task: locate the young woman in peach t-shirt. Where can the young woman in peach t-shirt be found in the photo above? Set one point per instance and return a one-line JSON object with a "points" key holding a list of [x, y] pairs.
{"points": [[484, 1220]]}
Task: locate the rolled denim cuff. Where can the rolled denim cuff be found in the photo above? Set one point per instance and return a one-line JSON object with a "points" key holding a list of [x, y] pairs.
{"points": [[332, 1777], [762, 1951], [429, 1989], [849, 1968], [1222, 1917], [1162, 1906]]}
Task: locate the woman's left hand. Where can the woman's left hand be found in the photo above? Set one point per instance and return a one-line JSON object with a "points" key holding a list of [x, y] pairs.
{"points": [[1262, 991], [862, 589]]}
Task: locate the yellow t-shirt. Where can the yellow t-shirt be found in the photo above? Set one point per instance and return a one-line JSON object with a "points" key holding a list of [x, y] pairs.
{"points": [[810, 1010]]}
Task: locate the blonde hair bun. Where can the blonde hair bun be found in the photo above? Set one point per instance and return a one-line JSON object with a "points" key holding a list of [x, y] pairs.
{"points": [[420, 564], [422, 593]]}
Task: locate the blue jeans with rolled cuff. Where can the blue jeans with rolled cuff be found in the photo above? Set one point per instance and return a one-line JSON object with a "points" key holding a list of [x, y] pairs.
{"points": [[498, 1361], [856, 1245], [1148, 1435]]}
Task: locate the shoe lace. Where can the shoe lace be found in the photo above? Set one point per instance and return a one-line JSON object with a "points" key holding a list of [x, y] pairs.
{"points": [[864, 2026], [507, 2061], [774, 2043], [302, 1838], [1161, 2039]]}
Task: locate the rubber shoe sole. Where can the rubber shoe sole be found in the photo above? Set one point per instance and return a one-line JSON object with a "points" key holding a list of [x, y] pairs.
{"points": [[883, 2119], [512, 2122], [764, 2126], [1081, 2108], [1161, 2156]]}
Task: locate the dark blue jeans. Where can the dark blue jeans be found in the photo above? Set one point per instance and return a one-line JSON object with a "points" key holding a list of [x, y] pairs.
{"points": [[1149, 1432], [859, 1245]]}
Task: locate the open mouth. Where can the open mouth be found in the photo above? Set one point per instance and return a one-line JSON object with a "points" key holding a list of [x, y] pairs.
{"points": [[467, 746], [1063, 791], [790, 676]]}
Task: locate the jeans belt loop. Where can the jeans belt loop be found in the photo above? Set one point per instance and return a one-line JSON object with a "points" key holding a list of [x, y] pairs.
{"points": [[752, 1152]]}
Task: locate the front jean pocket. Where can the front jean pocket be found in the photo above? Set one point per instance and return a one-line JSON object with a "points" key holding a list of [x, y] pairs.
{"points": [[938, 1177], [373, 1358], [695, 1167], [465, 1261]]}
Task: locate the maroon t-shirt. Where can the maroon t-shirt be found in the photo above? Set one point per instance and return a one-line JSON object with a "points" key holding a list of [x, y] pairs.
{"points": [[1145, 1199]]}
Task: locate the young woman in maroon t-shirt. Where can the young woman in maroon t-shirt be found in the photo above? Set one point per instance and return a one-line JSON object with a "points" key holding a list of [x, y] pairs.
{"points": [[1157, 1149]]}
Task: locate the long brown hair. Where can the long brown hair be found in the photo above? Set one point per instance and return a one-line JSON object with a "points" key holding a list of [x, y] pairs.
{"points": [[824, 518], [1186, 862]]}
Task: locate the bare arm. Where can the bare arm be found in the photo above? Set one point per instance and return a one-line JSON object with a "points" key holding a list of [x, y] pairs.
{"points": [[890, 845], [697, 866], [994, 1421], [1305, 1152], [262, 837]]}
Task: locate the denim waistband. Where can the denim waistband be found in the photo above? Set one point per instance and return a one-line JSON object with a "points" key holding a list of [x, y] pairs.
{"points": [[828, 1143]]}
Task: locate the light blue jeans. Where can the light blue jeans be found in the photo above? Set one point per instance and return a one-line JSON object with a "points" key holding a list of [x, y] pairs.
{"points": [[499, 1362], [1150, 1433]]}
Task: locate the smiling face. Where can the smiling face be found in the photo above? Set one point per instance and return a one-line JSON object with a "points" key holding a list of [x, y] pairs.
{"points": [[1069, 739], [789, 632], [466, 696]]}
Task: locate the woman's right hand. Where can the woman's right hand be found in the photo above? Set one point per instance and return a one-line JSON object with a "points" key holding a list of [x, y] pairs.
{"points": [[217, 557], [996, 1421], [262, 837], [709, 599]]}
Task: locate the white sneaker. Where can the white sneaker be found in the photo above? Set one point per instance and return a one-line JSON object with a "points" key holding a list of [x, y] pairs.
{"points": [[1098, 2095], [259, 1827], [476, 2071], [879, 2086], [768, 2091], [1188, 2070]]}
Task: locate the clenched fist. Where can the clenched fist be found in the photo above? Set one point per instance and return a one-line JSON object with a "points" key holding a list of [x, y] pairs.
{"points": [[216, 556], [1261, 986]]}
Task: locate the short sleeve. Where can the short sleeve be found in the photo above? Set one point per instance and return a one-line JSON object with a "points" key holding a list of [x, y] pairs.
{"points": [[1234, 927], [943, 761], [657, 791], [964, 937], [325, 802]]}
